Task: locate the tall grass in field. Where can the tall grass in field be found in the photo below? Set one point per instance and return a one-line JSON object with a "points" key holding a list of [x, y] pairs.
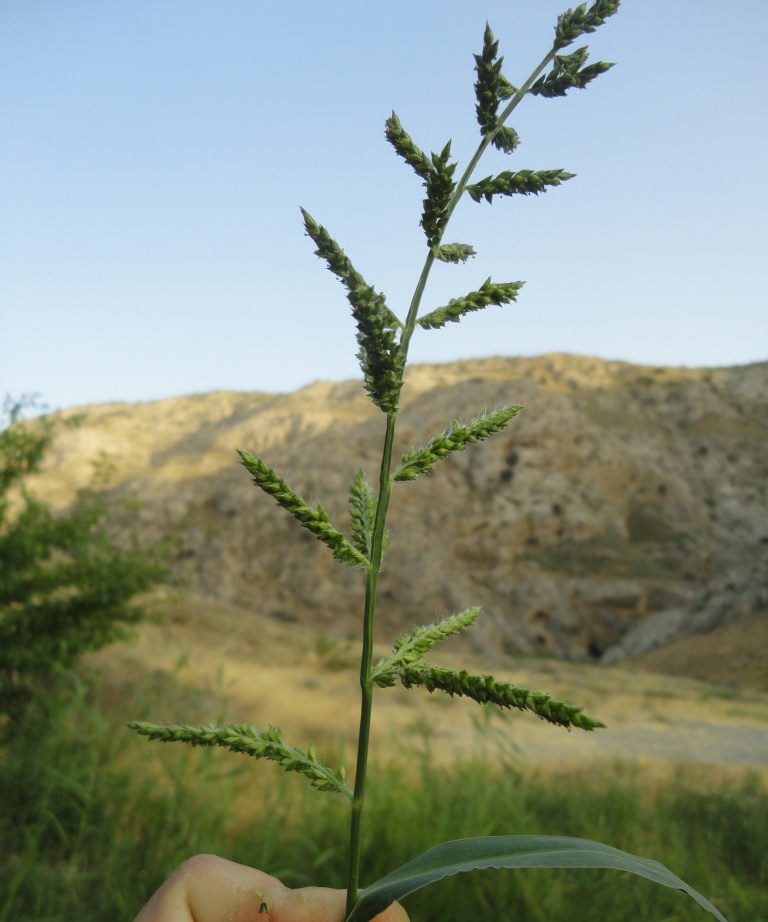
{"points": [[89, 825]]}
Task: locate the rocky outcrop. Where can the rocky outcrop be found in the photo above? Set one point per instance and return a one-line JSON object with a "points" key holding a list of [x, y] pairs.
{"points": [[625, 507]]}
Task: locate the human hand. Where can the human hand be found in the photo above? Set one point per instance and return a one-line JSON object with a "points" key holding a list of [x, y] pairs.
{"points": [[209, 889]]}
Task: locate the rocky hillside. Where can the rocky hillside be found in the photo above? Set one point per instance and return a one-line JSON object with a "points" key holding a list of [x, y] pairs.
{"points": [[625, 507]]}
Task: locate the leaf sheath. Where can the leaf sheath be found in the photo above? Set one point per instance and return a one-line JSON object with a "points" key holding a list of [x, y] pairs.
{"points": [[511, 852]]}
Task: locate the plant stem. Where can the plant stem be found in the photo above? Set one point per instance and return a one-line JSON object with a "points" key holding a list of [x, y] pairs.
{"points": [[385, 491], [366, 685]]}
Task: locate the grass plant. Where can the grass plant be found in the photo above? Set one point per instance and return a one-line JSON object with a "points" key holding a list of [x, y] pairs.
{"points": [[384, 338], [89, 826]]}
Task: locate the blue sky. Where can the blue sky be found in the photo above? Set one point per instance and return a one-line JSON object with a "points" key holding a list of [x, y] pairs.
{"points": [[154, 154]]}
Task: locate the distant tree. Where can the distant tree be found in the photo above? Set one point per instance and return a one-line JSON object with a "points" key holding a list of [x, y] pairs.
{"points": [[67, 582]]}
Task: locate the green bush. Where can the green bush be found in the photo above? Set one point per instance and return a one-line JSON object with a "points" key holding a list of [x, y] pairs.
{"points": [[67, 583]]}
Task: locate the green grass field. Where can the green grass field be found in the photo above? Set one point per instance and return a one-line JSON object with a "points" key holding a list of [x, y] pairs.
{"points": [[92, 820]]}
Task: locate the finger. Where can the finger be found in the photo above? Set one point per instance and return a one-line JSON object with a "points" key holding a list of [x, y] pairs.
{"points": [[210, 889]]}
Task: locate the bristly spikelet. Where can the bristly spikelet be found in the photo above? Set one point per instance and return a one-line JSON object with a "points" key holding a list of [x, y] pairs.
{"points": [[568, 73], [488, 84], [522, 182], [409, 648], [380, 357], [440, 186], [573, 23], [506, 89], [405, 148], [454, 252], [497, 293], [437, 174], [505, 139], [422, 460], [490, 88], [486, 690], [260, 744], [362, 502], [314, 520]]}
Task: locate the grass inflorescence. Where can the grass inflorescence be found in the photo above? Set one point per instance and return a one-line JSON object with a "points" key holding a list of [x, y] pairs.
{"points": [[384, 339], [89, 825]]}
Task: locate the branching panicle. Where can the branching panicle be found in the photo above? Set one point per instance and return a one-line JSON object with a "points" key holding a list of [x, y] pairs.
{"points": [[497, 293], [522, 182], [261, 744], [487, 690], [383, 341], [573, 23], [568, 73], [422, 460], [380, 356], [362, 502], [314, 520]]}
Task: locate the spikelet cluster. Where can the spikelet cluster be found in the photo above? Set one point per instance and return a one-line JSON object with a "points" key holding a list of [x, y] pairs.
{"points": [[454, 252], [261, 744], [362, 503], [436, 171], [409, 648], [422, 460], [568, 73], [488, 84], [403, 144], [521, 182], [314, 520], [440, 186], [573, 23], [491, 87], [380, 357], [487, 690], [497, 293]]}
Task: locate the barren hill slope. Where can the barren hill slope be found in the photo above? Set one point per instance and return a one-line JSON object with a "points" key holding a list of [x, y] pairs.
{"points": [[625, 507]]}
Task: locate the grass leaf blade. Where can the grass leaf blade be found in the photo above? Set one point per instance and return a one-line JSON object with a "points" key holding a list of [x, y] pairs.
{"points": [[511, 852]]}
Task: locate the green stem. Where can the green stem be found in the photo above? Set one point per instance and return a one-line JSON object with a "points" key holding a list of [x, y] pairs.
{"points": [[366, 660], [385, 491]]}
